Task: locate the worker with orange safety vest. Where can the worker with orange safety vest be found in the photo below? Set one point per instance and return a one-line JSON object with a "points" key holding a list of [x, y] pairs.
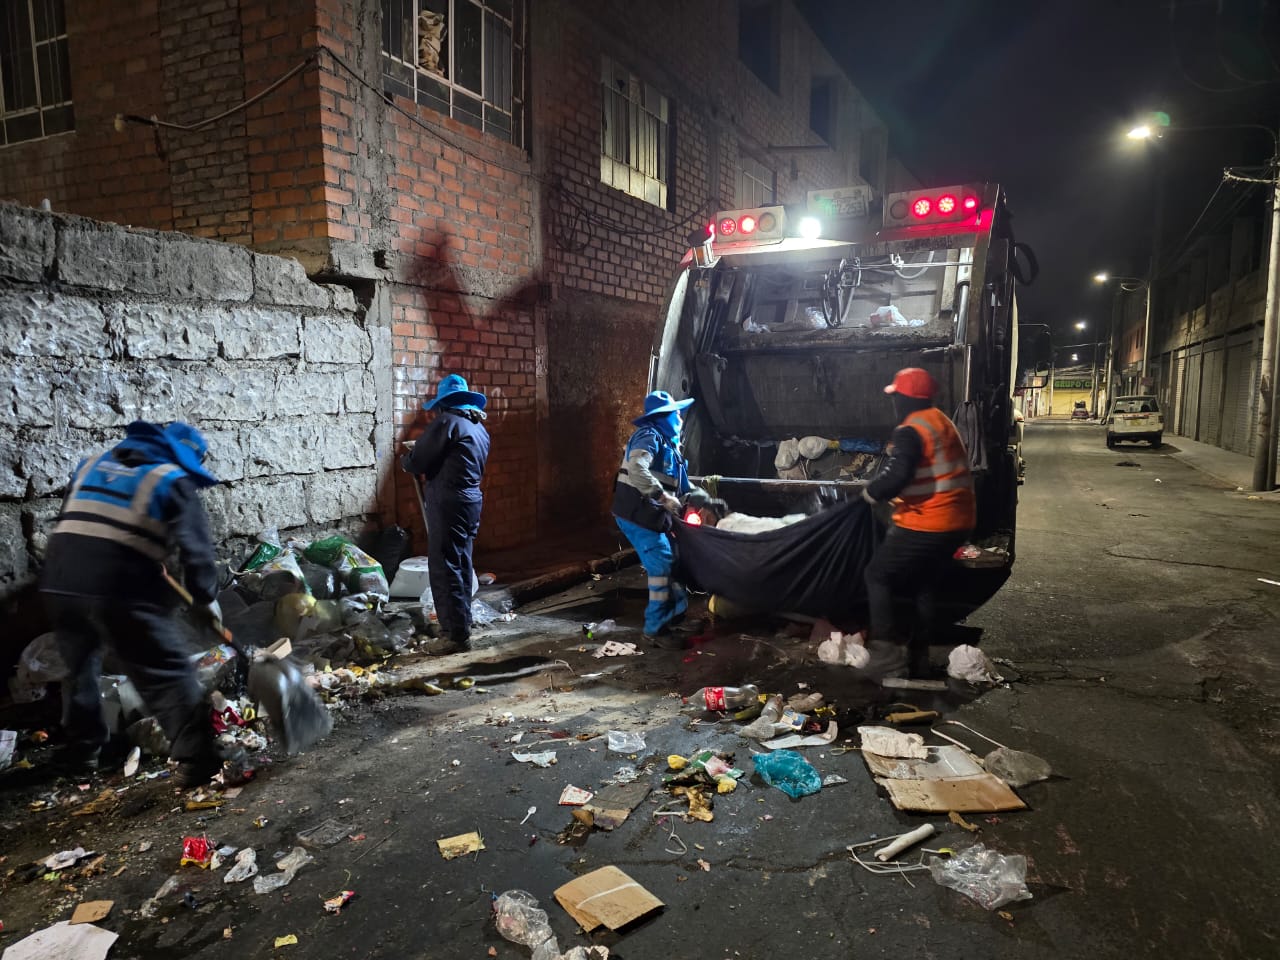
{"points": [[927, 477]]}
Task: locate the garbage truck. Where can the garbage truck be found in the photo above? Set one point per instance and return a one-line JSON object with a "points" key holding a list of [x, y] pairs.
{"points": [[786, 323]]}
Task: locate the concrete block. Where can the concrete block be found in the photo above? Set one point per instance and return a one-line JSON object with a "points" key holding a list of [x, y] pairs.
{"points": [[41, 515], [202, 392], [94, 395], [49, 459], [344, 298], [26, 243], [348, 442], [226, 453], [337, 494], [13, 483], [259, 333], [13, 544], [308, 393], [39, 325], [286, 446], [151, 331], [282, 280], [335, 340], [106, 257], [217, 504], [29, 396], [359, 395], [204, 270], [255, 504]]}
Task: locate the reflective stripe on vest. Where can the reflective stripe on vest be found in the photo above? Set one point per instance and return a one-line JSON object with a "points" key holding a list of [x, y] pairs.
{"points": [[940, 496], [937, 476], [669, 483], [111, 501]]}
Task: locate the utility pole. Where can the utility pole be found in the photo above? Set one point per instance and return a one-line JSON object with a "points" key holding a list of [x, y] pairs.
{"points": [[1153, 270], [1264, 455], [1093, 393]]}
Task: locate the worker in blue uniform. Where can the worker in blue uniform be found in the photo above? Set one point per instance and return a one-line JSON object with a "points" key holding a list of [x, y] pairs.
{"points": [[103, 582], [450, 456], [651, 481]]}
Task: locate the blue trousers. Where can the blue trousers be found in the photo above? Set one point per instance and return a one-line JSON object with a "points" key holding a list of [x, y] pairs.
{"points": [[667, 599], [452, 526]]}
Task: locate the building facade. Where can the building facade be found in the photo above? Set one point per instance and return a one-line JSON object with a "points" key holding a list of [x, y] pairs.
{"points": [[509, 186]]}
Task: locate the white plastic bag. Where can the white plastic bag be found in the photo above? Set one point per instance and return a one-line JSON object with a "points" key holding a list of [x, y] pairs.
{"points": [[622, 742], [246, 866], [983, 875], [843, 650], [971, 664], [520, 920]]}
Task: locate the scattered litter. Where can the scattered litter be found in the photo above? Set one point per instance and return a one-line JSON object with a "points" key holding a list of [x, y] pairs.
{"points": [[622, 776], [971, 664], [99, 804], [462, 844], [616, 648], [246, 866], [530, 813], [91, 911], [520, 920], [962, 823], [610, 807], [940, 764], [833, 780], [706, 867], [64, 941], [131, 764], [623, 742], [8, 742], [806, 702], [574, 796], [983, 875], [335, 904], [67, 858], [891, 850], [906, 683], [288, 867], [515, 737], [606, 896], [150, 907], [325, 834], [912, 716], [593, 630], [544, 759], [260, 822], [1273, 583], [789, 772], [1016, 767], [706, 767], [983, 793], [844, 650], [886, 742], [800, 740], [290, 940], [197, 851]]}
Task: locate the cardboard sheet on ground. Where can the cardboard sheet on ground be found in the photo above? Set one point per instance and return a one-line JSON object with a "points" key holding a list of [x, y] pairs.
{"points": [[463, 843], [612, 805], [91, 911], [64, 941], [940, 764], [984, 793], [606, 896]]}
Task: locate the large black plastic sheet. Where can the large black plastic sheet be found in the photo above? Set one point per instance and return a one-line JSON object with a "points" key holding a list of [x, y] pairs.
{"points": [[813, 567]]}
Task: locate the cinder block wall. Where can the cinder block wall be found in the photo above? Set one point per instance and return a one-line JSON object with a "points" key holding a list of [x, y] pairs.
{"points": [[100, 326]]}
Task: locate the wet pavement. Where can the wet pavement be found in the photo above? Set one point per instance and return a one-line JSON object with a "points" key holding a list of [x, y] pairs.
{"points": [[1143, 646]]}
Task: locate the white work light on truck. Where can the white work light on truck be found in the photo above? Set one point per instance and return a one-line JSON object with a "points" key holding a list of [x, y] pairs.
{"points": [[810, 228]]}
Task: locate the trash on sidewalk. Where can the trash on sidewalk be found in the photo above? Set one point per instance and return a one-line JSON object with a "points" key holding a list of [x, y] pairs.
{"points": [[792, 740], [246, 866], [197, 851], [519, 919], [64, 941], [842, 649], [103, 802], [912, 716], [984, 793], [132, 761], [962, 823], [543, 759], [622, 776], [720, 699], [288, 867], [805, 702], [325, 834], [616, 648], [91, 911], [64, 859], [989, 878], [833, 780], [970, 664], [886, 742], [593, 630], [8, 741], [906, 683], [1017, 768], [606, 896], [335, 904], [940, 764], [789, 772], [918, 835], [289, 940], [611, 806], [461, 845], [704, 767], [574, 796], [621, 741]]}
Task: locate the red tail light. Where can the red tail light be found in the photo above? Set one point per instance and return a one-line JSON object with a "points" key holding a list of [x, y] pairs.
{"points": [[971, 203], [747, 224], [922, 207], [947, 204], [693, 518], [728, 227]]}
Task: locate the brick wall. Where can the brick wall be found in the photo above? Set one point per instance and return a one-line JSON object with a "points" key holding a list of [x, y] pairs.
{"points": [[106, 325]]}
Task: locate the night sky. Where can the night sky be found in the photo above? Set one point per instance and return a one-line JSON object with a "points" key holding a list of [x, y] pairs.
{"points": [[1037, 96]]}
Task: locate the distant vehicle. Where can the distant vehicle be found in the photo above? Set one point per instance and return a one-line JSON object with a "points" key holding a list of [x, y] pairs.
{"points": [[1080, 411], [1135, 418]]}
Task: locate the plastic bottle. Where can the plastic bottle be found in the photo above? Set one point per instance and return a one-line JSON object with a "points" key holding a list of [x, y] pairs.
{"points": [[593, 630], [719, 699]]}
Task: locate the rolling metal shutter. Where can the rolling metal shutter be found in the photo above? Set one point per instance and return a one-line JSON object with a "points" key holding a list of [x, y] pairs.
{"points": [[1235, 408], [1191, 398], [1211, 397]]}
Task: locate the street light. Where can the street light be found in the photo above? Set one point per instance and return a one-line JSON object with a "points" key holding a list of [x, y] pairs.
{"points": [[1140, 132], [1128, 285], [1080, 325]]}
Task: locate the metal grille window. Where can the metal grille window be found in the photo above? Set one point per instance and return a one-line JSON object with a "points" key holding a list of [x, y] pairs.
{"points": [[462, 58], [635, 135], [757, 184], [35, 74]]}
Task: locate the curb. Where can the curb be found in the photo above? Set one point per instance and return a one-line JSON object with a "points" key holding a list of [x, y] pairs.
{"points": [[535, 588]]}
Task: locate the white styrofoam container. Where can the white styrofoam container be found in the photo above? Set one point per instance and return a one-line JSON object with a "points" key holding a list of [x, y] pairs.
{"points": [[411, 578]]}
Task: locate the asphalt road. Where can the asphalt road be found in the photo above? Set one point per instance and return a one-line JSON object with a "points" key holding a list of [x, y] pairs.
{"points": [[1145, 652]]}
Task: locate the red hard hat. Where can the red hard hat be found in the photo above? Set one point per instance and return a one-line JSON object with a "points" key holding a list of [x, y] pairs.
{"points": [[913, 382]]}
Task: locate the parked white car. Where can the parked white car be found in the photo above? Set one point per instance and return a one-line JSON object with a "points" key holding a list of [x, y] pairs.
{"points": [[1135, 418]]}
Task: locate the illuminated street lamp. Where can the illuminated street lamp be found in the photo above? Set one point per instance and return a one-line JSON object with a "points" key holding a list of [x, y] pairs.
{"points": [[1081, 324]]}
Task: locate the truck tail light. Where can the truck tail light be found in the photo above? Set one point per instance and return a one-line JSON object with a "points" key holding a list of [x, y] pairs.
{"points": [[922, 207], [747, 224]]}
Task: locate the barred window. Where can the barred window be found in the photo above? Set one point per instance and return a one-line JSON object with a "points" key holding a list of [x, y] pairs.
{"points": [[35, 74], [757, 184], [462, 58], [635, 135]]}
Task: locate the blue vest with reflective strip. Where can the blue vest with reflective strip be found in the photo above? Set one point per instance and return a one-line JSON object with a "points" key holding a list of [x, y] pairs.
{"points": [[668, 466], [123, 504]]}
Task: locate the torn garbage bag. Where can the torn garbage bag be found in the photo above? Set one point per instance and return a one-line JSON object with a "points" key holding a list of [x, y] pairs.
{"points": [[813, 567]]}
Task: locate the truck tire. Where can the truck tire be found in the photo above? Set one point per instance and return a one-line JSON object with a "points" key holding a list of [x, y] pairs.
{"points": [[1157, 442], [1111, 442]]}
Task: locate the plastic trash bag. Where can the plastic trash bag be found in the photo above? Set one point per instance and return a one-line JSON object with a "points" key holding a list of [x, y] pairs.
{"points": [[983, 875], [482, 614], [969, 663], [844, 650], [288, 866], [623, 742], [789, 772], [275, 578], [321, 582], [40, 664], [1017, 768], [520, 920], [246, 866], [360, 572]]}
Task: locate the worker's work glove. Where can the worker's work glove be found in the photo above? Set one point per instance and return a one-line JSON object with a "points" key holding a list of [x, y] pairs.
{"points": [[866, 495], [671, 504], [212, 611]]}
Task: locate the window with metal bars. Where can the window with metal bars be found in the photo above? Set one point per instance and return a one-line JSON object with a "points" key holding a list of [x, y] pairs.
{"points": [[35, 74], [757, 184], [462, 58], [635, 135]]}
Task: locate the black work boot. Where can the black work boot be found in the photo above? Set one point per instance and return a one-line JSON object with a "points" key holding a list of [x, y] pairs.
{"points": [[77, 761]]}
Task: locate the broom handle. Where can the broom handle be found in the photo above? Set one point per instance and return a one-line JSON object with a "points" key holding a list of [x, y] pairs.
{"points": [[218, 626]]}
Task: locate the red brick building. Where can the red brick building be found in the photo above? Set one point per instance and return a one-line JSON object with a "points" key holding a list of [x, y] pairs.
{"points": [[508, 186]]}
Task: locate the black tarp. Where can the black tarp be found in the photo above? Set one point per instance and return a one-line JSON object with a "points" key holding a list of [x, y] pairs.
{"points": [[813, 567]]}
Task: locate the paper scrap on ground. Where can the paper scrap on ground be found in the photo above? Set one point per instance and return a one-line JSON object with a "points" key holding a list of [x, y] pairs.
{"points": [[460, 845], [968, 663], [544, 759], [611, 806], [981, 794], [941, 764], [64, 941], [574, 796], [800, 740], [288, 941], [91, 911], [606, 896], [886, 742], [616, 648]]}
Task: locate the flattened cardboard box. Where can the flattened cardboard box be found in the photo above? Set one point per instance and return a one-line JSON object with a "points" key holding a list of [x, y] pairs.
{"points": [[606, 896]]}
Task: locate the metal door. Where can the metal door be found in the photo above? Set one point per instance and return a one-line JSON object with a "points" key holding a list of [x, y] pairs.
{"points": [[1211, 398]]}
